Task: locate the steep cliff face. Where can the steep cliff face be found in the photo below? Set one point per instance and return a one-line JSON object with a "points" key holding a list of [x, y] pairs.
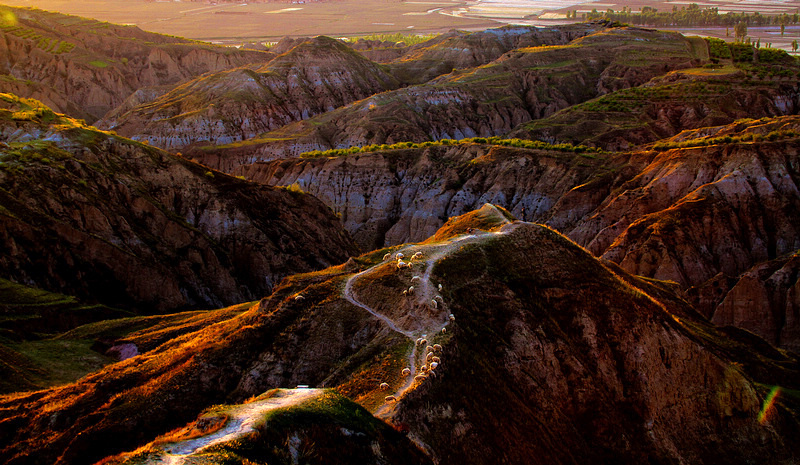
{"points": [[719, 206], [525, 84], [397, 196], [764, 300], [97, 216], [313, 77], [549, 353], [665, 106], [96, 65], [691, 213], [615, 205]]}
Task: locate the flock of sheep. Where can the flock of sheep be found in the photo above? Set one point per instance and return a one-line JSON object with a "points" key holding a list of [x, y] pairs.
{"points": [[432, 352]]}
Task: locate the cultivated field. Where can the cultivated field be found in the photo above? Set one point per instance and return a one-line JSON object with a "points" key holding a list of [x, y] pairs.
{"points": [[269, 21]]}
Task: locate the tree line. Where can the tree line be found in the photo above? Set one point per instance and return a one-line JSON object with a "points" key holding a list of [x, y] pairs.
{"points": [[691, 15]]}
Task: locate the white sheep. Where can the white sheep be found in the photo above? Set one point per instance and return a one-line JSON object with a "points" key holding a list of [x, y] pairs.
{"points": [[428, 358], [435, 359], [434, 365], [399, 255], [405, 291], [444, 330], [439, 298], [401, 264], [434, 304], [415, 278], [384, 386], [390, 399], [419, 341], [416, 256], [423, 341], [420, 377], [423, 369], [387, 256], [428, 349], [452, 317], [406, 371], [299, 298], [440, 288], [411, 290], [437, 347]]}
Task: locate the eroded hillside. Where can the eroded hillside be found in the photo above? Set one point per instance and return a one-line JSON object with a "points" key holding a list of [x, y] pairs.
{"points": [[489, 100], [714, 95], [711, 201], [95, 65], [93, 215], [533, 348], [649, 318], [313, 77]]}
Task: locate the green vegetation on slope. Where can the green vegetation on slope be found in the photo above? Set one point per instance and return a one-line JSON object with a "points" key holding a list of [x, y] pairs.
{"points": [[517, 143], [398, 38], [31, 357], [691, 15], [727, 139]]}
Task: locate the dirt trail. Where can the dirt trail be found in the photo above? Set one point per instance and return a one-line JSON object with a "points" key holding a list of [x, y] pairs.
{"points": [[425, 292], [243, 418]]}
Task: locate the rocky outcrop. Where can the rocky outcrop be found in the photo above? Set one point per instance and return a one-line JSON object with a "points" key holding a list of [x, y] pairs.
{"points": [[314, 77], [683, 214], [691, 213], [397, 196], [551, 354], [762, 300], [486, 101], [111, 220], [699, 216], [95, 65]]}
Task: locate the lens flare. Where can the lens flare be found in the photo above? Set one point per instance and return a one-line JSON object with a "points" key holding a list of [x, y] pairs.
{"points": [[767, 408]]}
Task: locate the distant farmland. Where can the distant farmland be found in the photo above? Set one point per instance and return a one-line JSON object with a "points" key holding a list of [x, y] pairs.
{"points": [[269, 21], [235, 23]]}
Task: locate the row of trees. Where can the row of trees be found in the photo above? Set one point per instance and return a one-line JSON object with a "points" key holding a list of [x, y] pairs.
{"points": [[692, 15]]}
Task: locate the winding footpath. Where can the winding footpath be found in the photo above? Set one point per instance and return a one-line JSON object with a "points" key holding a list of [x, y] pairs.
{"points": [[424, 293], [242, 421], [243, 418]]}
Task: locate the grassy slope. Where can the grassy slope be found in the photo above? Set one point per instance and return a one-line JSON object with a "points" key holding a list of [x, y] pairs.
{"points": [[31, 357], [37, 354]]}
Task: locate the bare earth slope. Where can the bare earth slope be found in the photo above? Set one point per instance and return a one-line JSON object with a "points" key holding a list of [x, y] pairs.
{"points": [[461, 50], [107, 219], [97, 65], [522, 85], [709, 201], [395, 196], [548, 353], [313, 77]]}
